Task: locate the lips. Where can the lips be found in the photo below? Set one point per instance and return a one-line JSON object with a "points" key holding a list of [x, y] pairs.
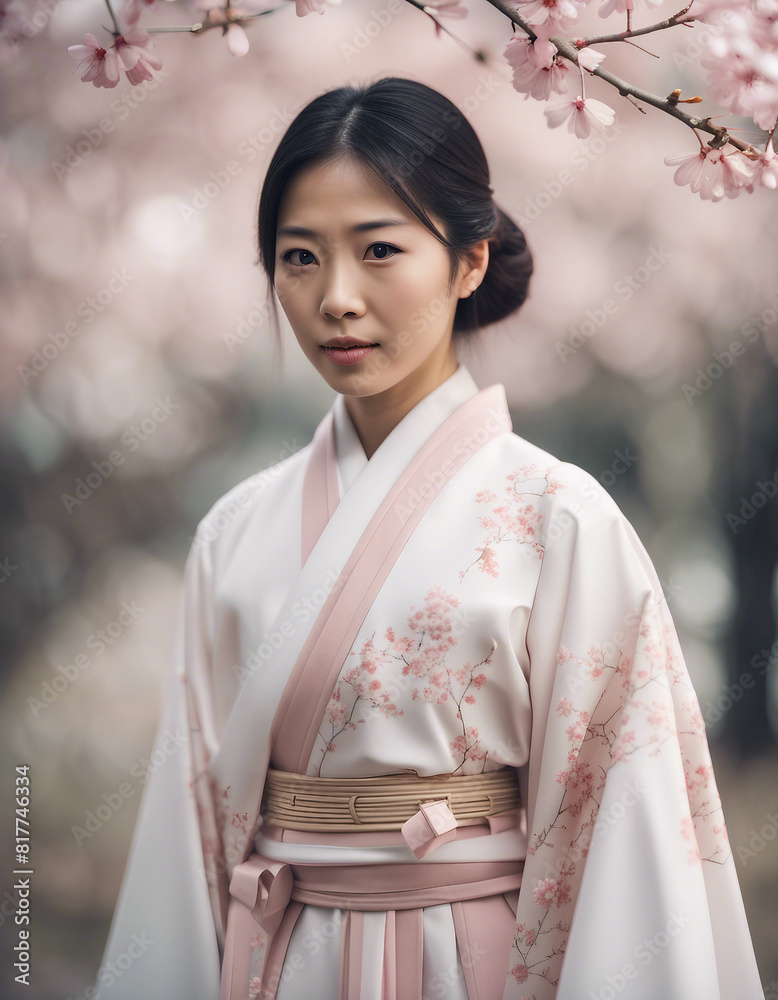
{"points": [[348, 355], [344, 343]]}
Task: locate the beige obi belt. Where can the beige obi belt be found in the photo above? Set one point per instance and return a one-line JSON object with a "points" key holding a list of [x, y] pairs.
{"points": [[427, 809]]}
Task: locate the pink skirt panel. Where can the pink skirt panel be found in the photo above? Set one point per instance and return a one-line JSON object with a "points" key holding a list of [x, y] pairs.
{"points": [[483, 922]]}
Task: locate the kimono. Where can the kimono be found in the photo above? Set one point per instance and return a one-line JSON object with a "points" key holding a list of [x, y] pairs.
{"points": [[464, 601]]}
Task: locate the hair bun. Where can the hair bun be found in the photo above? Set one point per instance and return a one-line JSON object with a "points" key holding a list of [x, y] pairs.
{"points": [[506, 282]]}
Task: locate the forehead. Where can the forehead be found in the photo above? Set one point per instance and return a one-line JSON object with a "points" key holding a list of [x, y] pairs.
{"points": [[337, 195]]}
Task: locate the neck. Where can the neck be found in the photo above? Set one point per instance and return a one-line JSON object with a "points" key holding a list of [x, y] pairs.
{"points": [[375, 417]]}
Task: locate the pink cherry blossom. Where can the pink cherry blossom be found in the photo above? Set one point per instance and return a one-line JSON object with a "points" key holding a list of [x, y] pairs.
{"points": [[742, 66], [737, 173], [609, 6], [237, 40], [765, 169], [690, 168], [549, 12], [303, 7], [447, 8], [520, 972], [102, 67], [581, 115], [589, 58], [534, 73], [132, 48], [713, 175], [131, 10], [550, 891], [14, 26]]}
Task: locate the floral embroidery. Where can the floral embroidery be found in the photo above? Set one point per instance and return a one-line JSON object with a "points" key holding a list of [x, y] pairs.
{"points": [[366, 687], [425, 656], [514, 519], [225, 832], [643, 701]]}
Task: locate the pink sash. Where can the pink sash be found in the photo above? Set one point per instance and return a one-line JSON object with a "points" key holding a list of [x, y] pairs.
{"points": [[262, 890]]}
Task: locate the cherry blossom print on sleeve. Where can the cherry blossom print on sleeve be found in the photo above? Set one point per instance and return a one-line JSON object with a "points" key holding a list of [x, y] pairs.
{"points": [[623, 807], [514, 516]]}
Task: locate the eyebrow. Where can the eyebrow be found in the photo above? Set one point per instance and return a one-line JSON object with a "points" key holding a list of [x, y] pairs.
{"points": [[359, 228]]}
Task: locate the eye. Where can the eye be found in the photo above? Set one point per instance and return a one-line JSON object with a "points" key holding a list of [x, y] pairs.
{"points": [[286, 257], [383, 247], [384, 251]]}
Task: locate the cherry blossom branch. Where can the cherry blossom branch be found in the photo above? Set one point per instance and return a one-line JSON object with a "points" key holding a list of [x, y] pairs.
{"points": [[569, 48], [118, 30], [741, 71], [212, 21], [622, 36], [440, 27]]}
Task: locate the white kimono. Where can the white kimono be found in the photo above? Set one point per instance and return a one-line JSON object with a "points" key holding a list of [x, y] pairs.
{"points": [[518, 622]]}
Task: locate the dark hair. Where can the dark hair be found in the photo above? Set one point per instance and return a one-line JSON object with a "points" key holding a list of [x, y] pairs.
{"points": [[422, 146]]}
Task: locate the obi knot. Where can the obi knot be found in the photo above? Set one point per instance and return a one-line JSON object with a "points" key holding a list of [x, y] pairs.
{"points": [[265, 888], [432, 826]]}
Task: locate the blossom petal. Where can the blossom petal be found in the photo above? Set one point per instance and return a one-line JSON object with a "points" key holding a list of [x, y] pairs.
{"points": [[237, 40]]}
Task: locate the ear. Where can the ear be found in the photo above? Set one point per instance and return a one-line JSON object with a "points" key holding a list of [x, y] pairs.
{"points": [[472, 270]]}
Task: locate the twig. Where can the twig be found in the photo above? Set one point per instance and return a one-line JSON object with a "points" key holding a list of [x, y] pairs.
{"points": [[568, 48], [622, 36]]}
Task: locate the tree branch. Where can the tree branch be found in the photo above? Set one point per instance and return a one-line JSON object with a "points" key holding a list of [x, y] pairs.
{"points": [[622, 36], [569, 50]]}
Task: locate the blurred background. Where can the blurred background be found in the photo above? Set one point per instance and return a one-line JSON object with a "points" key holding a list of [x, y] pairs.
{"points": [[139, 382]]}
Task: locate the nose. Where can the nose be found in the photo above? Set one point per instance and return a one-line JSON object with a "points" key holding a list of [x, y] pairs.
{"points": [[341, 295]]}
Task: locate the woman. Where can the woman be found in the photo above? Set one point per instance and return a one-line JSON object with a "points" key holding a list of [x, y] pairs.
{"points": [[436, 736]]}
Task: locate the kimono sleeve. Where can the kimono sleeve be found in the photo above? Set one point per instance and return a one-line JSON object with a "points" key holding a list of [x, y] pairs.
{"points": [[629, 887], [165, 937]]}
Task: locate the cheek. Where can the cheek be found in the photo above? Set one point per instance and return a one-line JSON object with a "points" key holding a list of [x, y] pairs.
{"points": [[292, 293], [419, 296]]}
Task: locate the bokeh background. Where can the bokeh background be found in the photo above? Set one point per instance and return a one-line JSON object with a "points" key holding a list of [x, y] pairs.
{"points": [[137, 351]]}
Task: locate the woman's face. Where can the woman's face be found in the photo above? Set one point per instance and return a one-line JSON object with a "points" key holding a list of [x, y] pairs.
{"points": [[364, 268]]}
